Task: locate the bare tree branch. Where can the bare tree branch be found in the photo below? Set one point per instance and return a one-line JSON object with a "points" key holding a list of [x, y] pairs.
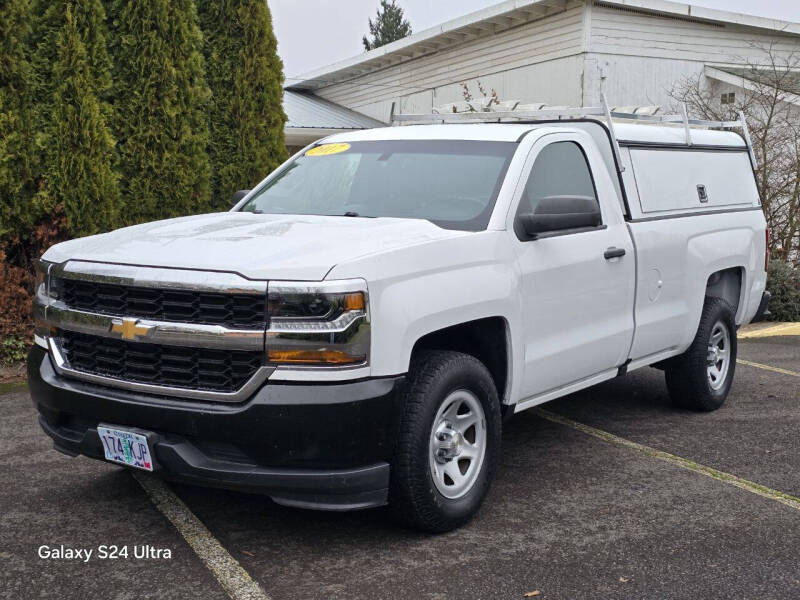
{"points": [[765, 97]]}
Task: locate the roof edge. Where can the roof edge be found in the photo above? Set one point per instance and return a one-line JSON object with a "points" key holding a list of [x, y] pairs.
{"points": [[407, 48]]}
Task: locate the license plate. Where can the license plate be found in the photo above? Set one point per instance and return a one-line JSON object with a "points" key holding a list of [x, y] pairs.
{"points": [[126, 447]]}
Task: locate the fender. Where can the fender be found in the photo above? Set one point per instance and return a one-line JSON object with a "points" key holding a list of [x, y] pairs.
{"points": [[421, 289]]}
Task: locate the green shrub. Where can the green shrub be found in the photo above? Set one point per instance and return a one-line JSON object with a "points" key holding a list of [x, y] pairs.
{"points": [[12, 349], [783, 282], [245, 75], [160, 105], [18, 165], [78, 150]]}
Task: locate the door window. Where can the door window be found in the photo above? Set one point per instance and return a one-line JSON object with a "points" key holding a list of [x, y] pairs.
{"points": [[560, 171]]}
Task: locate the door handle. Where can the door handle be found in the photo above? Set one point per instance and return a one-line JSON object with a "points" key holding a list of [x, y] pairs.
{"points": [[613, 253]]}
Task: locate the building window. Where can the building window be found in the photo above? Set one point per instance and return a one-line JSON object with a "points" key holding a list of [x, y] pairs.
{"points": [[728, 98]]}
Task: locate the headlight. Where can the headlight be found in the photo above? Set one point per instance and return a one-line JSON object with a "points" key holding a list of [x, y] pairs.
{"points": [[42, 268], [41, 298], [47, 286], [318, 324]]}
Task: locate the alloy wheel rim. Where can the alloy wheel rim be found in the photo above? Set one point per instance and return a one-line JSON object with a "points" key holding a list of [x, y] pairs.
{"points": [[457, 444], [719, 356]]}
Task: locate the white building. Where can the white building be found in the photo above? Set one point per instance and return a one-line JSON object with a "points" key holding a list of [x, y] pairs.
{"points": [[558, 52]]}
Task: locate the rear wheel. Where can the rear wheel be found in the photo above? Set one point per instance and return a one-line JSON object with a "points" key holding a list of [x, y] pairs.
{"points": [[701, 377], [449, 442]]}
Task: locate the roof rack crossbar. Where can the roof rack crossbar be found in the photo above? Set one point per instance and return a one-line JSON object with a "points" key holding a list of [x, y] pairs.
{"points": [[677, 119], [601, 113], [499, 116], [549, 114]]}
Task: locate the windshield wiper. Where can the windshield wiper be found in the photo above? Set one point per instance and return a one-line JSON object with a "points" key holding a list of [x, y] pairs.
{"points": [[349, 213], [352, 213]]}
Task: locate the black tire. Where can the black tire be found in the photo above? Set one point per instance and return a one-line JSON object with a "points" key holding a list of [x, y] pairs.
{"points": [[688, 381], [414, 500]]}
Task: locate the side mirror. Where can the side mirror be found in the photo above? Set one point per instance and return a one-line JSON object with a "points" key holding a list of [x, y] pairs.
{"points": [[560, 213], [238, 195]]}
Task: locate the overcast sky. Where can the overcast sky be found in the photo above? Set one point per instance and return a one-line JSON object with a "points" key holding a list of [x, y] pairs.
{"points": [[316, 33]]}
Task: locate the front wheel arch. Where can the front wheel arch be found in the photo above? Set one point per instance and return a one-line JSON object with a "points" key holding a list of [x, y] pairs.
{"points": [[414, 499]]}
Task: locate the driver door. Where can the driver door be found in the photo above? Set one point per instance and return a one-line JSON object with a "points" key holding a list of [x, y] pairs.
{"points": [[577, 284]]}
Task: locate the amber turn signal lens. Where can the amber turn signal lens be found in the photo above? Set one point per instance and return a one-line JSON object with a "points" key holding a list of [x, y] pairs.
{"points": [[313, 357], [354, 301]]}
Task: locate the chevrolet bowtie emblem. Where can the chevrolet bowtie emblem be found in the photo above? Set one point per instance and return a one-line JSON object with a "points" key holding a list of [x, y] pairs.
{"points": [[129, 329]]}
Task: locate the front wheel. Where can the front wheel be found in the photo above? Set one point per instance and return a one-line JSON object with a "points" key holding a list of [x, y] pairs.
{"points": [[701, 377], [449, 442]]}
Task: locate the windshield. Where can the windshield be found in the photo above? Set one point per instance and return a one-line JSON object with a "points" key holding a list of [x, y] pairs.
{"points": [[454, 184]]}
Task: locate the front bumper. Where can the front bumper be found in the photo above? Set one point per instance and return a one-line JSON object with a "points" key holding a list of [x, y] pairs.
{"points": [[324, 446]]}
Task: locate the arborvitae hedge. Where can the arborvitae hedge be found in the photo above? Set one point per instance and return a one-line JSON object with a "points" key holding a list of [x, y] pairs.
{"points": [[79, 149], [18, 165], [245, 75], [90, 18], [160, 109], [73, 75], [144, 71], [77, 74]]}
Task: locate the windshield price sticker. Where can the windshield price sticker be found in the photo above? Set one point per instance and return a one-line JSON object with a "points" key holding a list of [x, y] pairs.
{"points": [[328, 149]]}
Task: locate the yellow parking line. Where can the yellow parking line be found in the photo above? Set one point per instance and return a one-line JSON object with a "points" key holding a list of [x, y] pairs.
{"points": [[767, 367], [226, 570], [782, 329], [684, 463]]}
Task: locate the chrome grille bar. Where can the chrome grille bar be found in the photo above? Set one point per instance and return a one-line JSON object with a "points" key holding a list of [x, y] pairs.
{"points": [[155, 332]]}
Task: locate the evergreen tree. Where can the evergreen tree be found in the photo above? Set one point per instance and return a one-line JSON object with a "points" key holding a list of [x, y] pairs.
{"points": [[389, 26], [17, 160], [90, 19], [79, 148], [246, 80], [161, 99]]}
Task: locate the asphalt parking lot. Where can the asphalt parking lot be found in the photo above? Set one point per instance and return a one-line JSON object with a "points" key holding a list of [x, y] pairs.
{"points": [[574, 512]]}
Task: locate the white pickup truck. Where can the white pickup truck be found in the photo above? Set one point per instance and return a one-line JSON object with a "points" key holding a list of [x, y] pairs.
{"points": [[353, 331]]}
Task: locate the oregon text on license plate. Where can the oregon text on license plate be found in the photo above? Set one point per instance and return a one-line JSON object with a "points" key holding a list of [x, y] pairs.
{"points": [[126, 447]]}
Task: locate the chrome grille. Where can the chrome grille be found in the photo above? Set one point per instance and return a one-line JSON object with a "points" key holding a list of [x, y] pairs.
{"points": [[182, 333], [223, 371], [240, 311]]}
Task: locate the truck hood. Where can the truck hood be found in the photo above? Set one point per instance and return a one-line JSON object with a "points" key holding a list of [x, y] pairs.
{"points": [[256, 246]]}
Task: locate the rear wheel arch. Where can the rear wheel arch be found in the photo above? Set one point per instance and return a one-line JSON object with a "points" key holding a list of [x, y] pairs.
{"points": [[728, 285], [690, 376]]}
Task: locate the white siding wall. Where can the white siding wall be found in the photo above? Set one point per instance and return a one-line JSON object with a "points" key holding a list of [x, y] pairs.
{"points": [[564, 59], [628, 32], [526, 63], [634, 80], [637, 58], [555, 82]]}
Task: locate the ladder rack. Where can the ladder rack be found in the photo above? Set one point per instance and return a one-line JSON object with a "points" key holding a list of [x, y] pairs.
{"points": [[560, 113]]}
